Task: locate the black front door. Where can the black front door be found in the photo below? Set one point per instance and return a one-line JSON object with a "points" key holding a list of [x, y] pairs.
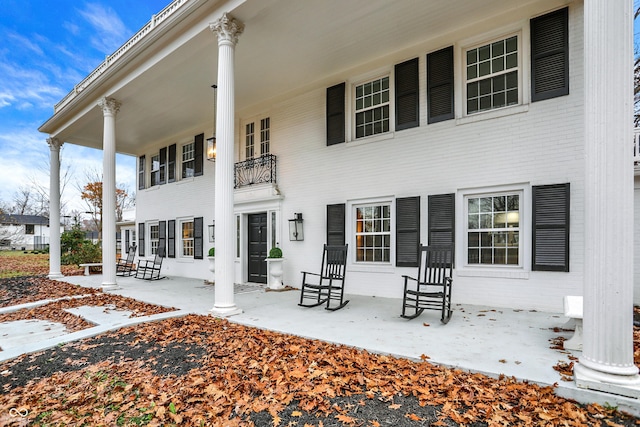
{"points": [[257, 248]]}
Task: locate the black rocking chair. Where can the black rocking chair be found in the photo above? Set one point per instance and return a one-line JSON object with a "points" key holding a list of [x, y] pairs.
{"points": [[328, 285], [124, 267], [432, 289], [150, 269]]}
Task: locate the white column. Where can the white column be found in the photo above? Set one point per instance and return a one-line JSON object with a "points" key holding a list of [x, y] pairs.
{"points": [[227, 29], [54, 208], [110, 108], [606, 363]]}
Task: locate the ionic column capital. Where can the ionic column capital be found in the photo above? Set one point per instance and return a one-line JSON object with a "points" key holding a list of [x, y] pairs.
{"points": [[110, 106], [227, 28], [54, 143]]}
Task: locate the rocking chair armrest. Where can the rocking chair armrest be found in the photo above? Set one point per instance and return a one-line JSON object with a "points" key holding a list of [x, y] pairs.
{"points": [[409, 277], [313, 274]]}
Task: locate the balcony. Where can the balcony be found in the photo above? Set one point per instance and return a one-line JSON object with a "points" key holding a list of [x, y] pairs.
{"points": [[259, 170]]}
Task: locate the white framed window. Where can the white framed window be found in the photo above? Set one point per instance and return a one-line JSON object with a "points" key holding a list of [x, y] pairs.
{"points": [[249, 140], [372, 107], [188, 160], [155, 170], [186, 238], [492, 74], [154, 238], [265, 135], [372, 224], [493, 229]]}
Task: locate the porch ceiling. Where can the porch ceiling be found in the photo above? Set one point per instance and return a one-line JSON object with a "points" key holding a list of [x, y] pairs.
{"points": [[287, 44]]}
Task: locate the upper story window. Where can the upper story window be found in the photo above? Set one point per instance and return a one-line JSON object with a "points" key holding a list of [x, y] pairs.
{"points": [[249, 140], [373, 232], [155, 170], [188, 160], [492, 79], [372, 107], [265, 135], [493, 229]]}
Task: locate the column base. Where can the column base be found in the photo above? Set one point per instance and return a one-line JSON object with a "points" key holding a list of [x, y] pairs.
{"points": [[225, 311], [109, 286], [623, 385], [55, 275]]}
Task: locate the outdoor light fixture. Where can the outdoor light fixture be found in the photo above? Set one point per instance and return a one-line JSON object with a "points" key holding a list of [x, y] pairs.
{"points": [[212, 232], [211, 142], [296, 232]]}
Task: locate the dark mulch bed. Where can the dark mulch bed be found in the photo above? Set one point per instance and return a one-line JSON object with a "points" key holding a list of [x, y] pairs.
{"points": [[21, 290]]}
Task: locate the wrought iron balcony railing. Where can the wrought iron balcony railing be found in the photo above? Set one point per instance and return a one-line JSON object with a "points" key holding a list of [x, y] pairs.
{"points": [[259, 170]]}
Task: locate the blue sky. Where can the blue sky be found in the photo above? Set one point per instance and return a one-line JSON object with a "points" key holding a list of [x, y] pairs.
{"points": [[46, 47]]}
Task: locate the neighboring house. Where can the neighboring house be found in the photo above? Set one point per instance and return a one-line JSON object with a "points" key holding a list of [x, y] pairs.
{"points": [[24, 232], [502, 128]]}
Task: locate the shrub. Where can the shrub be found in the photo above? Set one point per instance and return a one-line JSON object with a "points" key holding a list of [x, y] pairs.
{"points": [[212, 252], [275, 253], [85, 252]]}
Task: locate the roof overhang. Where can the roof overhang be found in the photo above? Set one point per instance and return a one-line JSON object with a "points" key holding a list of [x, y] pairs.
{"points": [[163, 79]]}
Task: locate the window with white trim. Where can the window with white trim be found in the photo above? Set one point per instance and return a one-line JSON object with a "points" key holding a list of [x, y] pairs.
{"points": [[187, 238], [155, 170], [372, 106], [249, 140], [493, 227], [373, 232], [154, 238], [265, 135], [492, 75], [188, 160]]}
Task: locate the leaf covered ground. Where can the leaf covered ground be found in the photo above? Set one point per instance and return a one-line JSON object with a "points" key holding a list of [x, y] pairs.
{"points": [[202, 371], [20, 263]]}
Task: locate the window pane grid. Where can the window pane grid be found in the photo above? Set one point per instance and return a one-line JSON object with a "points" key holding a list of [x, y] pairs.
{"points": [[188, 163], [492, 75], [155, 170], [373, 233], [187, 239], [493, 224], [372, 107], [154, 238], [249, 140], [265, 136]]}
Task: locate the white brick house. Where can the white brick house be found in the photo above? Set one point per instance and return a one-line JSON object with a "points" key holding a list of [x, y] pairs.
{"points": [[503, 128]]}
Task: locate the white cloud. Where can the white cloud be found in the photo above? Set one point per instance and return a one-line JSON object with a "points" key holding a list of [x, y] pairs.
{"points": [[109, 28]]}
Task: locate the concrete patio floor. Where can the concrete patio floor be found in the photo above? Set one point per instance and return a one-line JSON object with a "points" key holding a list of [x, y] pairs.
{"points": [[489, 340]]}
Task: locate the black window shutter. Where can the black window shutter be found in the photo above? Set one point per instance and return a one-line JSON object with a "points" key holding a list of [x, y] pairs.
{"points": [[163, 165], [126, 241], [550, 227], [171, 238], [171, 164], [407, 231], [198, 241], [141, 239], [550, 55], [407, 94], [442, 220], [198, 156], [335, 114], [162, 237], [335, 224], [141, 162], [440, 85]]}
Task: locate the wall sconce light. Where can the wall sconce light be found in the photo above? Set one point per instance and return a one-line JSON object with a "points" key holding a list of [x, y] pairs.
{"points": [[212, 232], [211, 142], [296, 232], [211, 149]]}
